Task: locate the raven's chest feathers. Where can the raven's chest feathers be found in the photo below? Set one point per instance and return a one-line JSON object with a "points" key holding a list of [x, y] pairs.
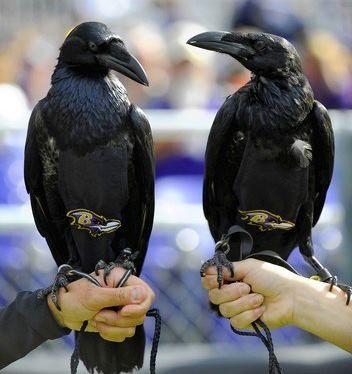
{"points": [[272, 109], [269, 185], [272, 115], [82, 112]]}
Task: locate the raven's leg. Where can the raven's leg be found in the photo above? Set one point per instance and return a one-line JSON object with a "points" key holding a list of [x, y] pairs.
{"points": [[62, 279], [124, 259], [306, 248], [324, 275], [304, 227], [219, 260]]}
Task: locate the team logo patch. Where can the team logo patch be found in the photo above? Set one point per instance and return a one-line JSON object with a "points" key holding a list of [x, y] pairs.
{"points": [[96, 225], [265, 220]]}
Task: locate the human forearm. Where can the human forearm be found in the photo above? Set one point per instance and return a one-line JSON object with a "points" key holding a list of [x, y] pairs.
{"points": [[25, 323], [323, 313]]}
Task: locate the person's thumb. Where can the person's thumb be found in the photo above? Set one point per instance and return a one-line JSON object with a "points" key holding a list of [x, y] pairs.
{"points": [[108, 297], [240, 269]]}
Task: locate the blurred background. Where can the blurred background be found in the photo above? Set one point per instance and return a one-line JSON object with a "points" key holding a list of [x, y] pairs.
{"points": [[187, 86]]}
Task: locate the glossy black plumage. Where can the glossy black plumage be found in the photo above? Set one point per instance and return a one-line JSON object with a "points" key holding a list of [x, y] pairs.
{"points": [[88, 148], [270, 152]]}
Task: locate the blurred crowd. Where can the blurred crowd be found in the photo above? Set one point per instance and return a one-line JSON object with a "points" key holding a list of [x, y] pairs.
{"points": [[157, 31]]}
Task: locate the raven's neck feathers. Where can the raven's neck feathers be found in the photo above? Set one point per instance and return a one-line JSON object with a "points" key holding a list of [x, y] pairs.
{"points": [[82, 111], [274, 104], [64, 70]]}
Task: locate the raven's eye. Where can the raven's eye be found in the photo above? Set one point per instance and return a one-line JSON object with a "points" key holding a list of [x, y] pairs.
{"points": [[259, 45], [92, 46]]}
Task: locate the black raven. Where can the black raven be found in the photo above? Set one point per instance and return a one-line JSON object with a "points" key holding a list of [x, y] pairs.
{"points": [[270, 154], [89, 170]]}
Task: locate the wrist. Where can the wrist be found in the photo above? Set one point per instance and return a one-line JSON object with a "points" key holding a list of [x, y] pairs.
{"points": [[311, 296], [289, 286], [55, 312]]}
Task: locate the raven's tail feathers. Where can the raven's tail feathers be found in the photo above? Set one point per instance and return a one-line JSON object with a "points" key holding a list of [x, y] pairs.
{"points": [[107, 357]]}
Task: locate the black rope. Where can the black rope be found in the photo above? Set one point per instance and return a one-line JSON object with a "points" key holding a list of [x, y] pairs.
{"points": [[156, 337], [273, 361], [274, 366], [246, 245]]}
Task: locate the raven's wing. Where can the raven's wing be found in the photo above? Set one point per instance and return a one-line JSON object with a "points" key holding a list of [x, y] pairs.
{"points": [[140, 208], [223, 157], [323, 156], [33, 177]]}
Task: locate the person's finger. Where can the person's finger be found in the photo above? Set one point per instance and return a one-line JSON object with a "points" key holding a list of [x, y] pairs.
{"points": [[133, 280], [91, 327], [113, 333], [113, 318], [114, 277], [244, 319], [98, 297], [137, 310], [209, 282], [228, 292], [247, 302]]}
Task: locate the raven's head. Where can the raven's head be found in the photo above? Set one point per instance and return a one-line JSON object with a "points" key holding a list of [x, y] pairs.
{"points": [[92, 46], [263, 54]]}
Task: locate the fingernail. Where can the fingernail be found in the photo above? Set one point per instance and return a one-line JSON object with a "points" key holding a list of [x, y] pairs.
{"points": [[93, 323], [99, 319], [136, 294], [260, 310], [124, 313], [257, 300]]}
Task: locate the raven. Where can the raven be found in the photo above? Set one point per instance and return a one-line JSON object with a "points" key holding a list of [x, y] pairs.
{"points": [[89, 170], [269, 157]]}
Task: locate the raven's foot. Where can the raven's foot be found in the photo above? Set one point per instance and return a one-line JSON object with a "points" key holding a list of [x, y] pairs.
{"points": [[124, 259], [324, 275], [344, 287], [219, 260], [62, 279]]}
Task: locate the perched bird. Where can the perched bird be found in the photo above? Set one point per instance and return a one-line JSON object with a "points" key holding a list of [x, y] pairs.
{"points": [[89, 170], [269, 157]]}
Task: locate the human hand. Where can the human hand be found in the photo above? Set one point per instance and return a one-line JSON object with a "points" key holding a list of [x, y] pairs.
{"points": [[262, 290], [283, 298], [110, 323], [85, 301]]}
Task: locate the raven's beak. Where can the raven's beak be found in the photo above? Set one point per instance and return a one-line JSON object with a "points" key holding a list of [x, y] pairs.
{"points": [[223, 42], [120, 60]]}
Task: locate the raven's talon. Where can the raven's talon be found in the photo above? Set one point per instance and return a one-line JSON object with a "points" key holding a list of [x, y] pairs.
{"points": [[333, 282], [62, 279], [107, 270], [101, 265], [53, 298], [42, 294], [124, 260], [206, 265], [347, 289], [344, 287], [220, 261]]}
